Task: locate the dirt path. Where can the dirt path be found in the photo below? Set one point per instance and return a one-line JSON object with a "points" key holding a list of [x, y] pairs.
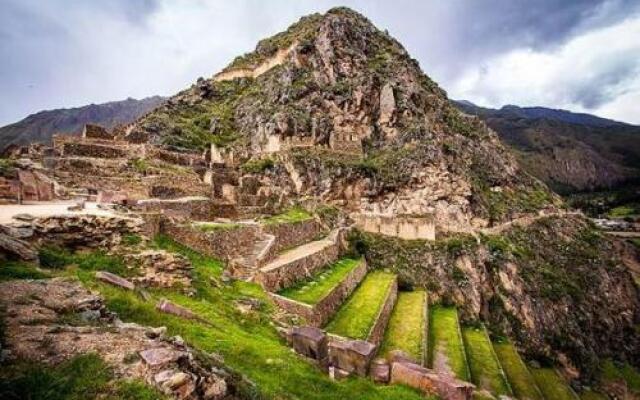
{"points": [[526, 221]]}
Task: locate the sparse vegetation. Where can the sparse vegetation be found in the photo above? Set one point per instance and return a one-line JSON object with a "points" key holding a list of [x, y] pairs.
{"points": [[21, 270], [217, 226], [57, 258], [259, 165], [294, 214]]}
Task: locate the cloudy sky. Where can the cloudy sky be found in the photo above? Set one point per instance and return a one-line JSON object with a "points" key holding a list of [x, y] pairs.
{"points": [[581, 55]]}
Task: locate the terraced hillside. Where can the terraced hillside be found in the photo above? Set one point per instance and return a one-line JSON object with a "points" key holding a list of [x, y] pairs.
{"points": [[407, 326]]}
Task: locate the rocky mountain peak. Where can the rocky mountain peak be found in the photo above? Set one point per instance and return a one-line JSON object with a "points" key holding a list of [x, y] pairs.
{"points": [[333, 96]]}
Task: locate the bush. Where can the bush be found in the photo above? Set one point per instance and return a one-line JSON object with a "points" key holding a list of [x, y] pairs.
{"points": [[258, 166]]}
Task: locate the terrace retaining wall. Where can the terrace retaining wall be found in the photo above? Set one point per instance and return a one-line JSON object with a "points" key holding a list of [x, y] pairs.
{"points": [[319, 314], [286, 275], [225, 244], [292, 234], [376, 334]]}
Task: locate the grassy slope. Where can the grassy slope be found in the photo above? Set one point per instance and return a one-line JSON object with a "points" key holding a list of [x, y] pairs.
{"points": [[356, 317], [314, 290], [521, 381], [406, 327], [485, 368], [248, 343], [552, 385], [82, 377], [444, 335]]}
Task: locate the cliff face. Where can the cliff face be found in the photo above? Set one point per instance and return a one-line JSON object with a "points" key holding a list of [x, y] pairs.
{"points": [[363, 126], [40, 127], [556, 286]]}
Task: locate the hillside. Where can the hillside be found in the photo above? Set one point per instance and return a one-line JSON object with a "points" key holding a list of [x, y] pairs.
{"points": [[41, 126], [570, 152], [365, 126]]}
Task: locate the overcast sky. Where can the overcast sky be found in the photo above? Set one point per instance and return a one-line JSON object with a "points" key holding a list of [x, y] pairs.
{"points": [[581, 55]]}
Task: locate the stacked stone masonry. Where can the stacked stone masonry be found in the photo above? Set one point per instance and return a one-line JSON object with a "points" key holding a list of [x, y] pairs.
{"points": [[319, 314]]}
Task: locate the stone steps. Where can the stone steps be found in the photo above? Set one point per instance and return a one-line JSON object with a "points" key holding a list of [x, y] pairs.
{"points": [[408, 327], [365, 314], [522, 383], [486, 370], [299, 263], [447, 353], [317, 300]]}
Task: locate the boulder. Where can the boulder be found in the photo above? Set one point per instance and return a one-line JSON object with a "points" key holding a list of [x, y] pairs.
{"points": [[380, 371], [115, 280], [159, 357], [171, 308], [310, 342], [17, 248], [353, 356], [430, 382]]}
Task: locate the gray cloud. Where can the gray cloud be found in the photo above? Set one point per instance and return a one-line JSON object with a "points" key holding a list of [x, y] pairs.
{"points": [[67, 53]]}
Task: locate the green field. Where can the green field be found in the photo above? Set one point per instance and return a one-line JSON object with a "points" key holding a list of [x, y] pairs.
{"points": [[315, 289], [406, 329], [522, 383], [358, 314], [446, 348], [486, 372], [552, 385]]}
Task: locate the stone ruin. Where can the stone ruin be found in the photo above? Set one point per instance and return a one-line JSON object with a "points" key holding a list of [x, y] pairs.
{"points": [[342, 357], [400, 226], [96, 132]]}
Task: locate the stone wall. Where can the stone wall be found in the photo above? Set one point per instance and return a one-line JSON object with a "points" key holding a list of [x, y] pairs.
{"points": [[350, 356], [225, 244], [292, 234], [95, 131], [403, 227], [92, 150], [276, 277], [376, 334], [194, 208], [320, 313], [430, 382]]}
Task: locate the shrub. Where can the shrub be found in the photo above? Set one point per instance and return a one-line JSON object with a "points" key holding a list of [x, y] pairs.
{"points": [[258, 166]]}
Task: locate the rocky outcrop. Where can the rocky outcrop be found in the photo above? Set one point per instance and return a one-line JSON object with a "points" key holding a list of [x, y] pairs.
{"points": [[35, 331]]}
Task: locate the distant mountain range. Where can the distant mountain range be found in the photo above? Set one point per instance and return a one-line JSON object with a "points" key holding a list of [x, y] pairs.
{"points": [[571, 152], [40, 127]]}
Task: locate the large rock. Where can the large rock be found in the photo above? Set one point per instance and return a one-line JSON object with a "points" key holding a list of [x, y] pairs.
{"points": [[171, 308], [353, 356], [310, 342], [430, 382], [17, 248], [115, 280]]}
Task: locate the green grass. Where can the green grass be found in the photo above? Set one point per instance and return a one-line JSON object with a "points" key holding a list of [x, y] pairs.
{"points": [[295, 214], [81, 377], [21, 270], [552, 385], [485, 368], [445, 338], [626, 210], [522, 383], [625, 372], [357, 315], [56, 258], [591, 395], [315, 289], [406, 329], [248, 342], [213, 227]]}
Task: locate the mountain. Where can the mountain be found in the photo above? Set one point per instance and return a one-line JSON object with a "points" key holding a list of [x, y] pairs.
{"points": [[334, 112], [571, 152], [41, 126]]}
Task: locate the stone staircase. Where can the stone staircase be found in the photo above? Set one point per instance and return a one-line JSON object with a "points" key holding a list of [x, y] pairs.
{"points": [[246, 267]]}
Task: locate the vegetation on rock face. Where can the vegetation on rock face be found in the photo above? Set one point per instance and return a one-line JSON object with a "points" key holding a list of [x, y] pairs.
{"points": [[294, 214], [358, 314], [82, 377], [406, 328]]}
